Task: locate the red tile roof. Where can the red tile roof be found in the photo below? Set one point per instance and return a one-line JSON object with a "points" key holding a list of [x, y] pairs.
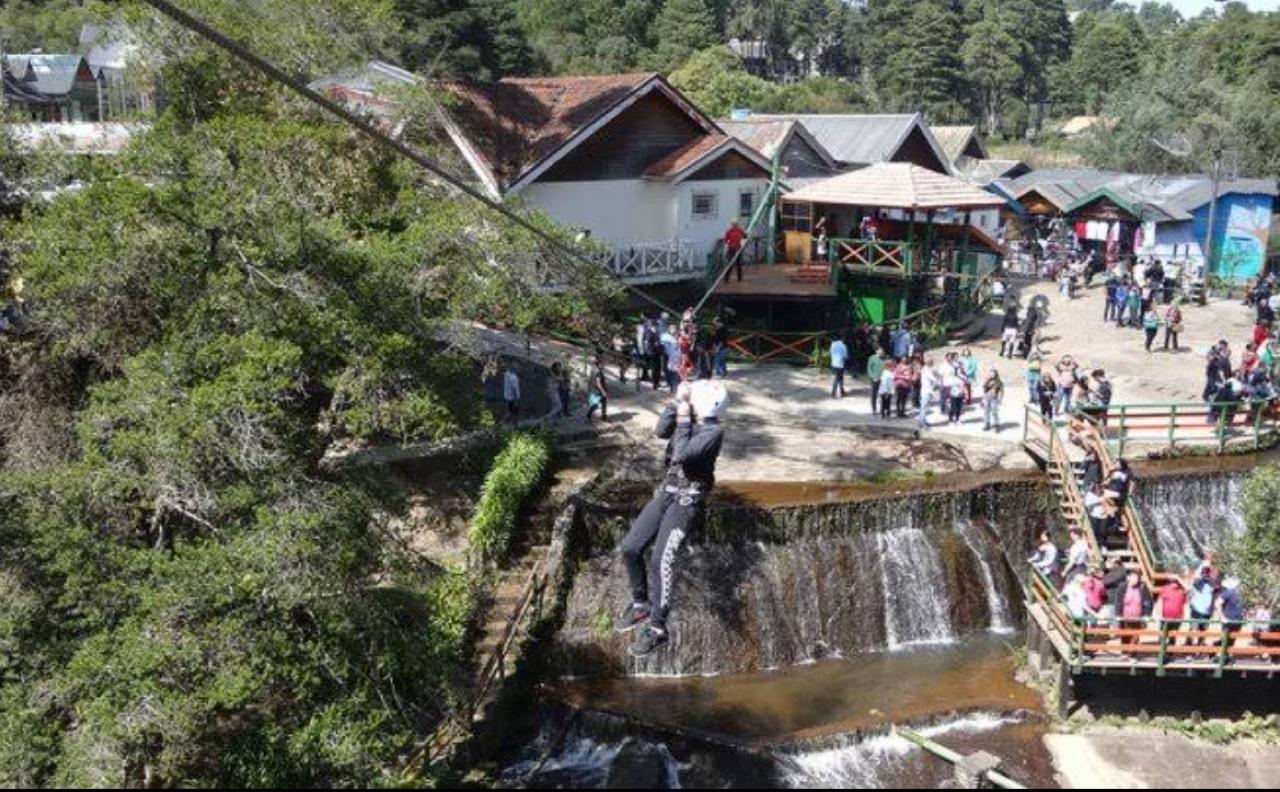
{"points": [[686, 155], [515, 123]]}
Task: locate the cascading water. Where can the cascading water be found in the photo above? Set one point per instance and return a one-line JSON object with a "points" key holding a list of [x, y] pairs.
{"points": [[878, 762], [766, 588], [1185, 516], [917, 609], [1001, 621]]}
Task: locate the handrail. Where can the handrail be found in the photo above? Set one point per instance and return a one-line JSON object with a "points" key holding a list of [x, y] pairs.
{"points": [[876, 255], [1057, 457]]}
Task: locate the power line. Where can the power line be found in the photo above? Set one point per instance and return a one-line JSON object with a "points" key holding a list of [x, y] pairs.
{"points": [[246, 55]]}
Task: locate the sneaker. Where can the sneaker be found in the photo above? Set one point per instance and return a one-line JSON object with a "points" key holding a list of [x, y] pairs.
{"points": [[635, 614], [650, 641]]}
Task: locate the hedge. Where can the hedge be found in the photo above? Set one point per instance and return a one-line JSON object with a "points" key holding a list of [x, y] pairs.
{"points": [[515, 474]]}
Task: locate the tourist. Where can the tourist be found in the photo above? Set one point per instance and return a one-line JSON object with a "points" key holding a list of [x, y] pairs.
{"points": [[1095, 591], [1173, 605], [1134, 603], [733, 239], [930, 389], [1150, 326], [687, 342], [1173, 324], [1231, 602], [1045, 558], [598, 394], [1009, 332], [900, 343], [992, 396], [1249, 359], [839, 360], [719, 348], [953, 390], [1204, 597], [1078, 553], [1113, 580], [1095, 503], [903, 379], [888, 378], [511, 393], [970, 365], [1134, 309], [1266, 319], [1121, 303], [1066, 380], [671, 354], [875, 370], [1033, 374], [642, 348], [1077, 601], [692, 426], [1120, 483], [1216, 373], [1045, 394], [1029, 325], [1100, 395], [1109, 306]]}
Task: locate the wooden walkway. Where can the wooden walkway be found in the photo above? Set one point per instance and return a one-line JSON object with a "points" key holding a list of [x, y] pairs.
{"points": [[1151, 645], [780, 281]]}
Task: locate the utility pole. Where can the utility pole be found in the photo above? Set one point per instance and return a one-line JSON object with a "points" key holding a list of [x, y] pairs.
{"points": [[1213, 212]]}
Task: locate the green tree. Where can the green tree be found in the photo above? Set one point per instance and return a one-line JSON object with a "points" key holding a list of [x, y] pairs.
{"points": [[715, 81], [1105, 59], [50, 25], [682, 28], [989, 57], [479, 39], [920, 66], [1255, 556]]}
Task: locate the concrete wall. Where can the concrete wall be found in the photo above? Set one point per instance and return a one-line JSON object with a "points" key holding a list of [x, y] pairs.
{"points": [[626, 213]]}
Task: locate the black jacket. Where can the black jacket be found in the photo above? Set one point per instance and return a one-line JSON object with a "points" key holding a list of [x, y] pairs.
{"points": [[692, 450]]}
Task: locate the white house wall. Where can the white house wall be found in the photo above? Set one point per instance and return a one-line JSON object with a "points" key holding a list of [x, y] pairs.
{"points": [[629, 213]]}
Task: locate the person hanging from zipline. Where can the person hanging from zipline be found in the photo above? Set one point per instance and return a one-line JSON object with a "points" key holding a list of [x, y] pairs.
{"points": [[691, 424]]}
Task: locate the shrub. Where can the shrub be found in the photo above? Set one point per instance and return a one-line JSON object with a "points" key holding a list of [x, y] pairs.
{"points": [[515, 474]]}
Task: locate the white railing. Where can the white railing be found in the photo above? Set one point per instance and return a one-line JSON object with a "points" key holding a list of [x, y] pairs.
{"points": [[650, 263]]}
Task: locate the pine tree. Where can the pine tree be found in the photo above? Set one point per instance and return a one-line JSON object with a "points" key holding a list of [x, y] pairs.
{"points": [[919, 56], [991, 44], [682, 28]]}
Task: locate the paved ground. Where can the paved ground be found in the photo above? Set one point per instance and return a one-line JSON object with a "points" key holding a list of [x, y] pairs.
{"points": [[784, 426], [1148, 759]]}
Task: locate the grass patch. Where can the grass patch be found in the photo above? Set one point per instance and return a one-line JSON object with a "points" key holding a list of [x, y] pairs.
{"points": [[515, 475]]}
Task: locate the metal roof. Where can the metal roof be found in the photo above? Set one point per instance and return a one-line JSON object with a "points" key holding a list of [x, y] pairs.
{"points": [[1167, 197], [862, 139], [954, 140], [54, 74], [896, 185]]}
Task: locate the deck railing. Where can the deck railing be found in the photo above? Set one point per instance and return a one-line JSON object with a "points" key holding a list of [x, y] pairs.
{"points": [[1166, 425], [653, 263], [875, 256], [1214, 646]]}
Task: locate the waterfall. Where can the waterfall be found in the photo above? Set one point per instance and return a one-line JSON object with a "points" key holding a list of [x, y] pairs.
{"points": [[916, 606], [1000, 620], [872, 763], [1185, 516]]}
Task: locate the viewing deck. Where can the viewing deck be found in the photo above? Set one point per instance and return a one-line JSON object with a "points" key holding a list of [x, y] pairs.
{"points": [[780, 281], [1148, 645]]}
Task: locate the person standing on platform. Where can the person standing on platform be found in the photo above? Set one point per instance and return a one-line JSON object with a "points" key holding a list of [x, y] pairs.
{"points": [[733, 239], [875, 370]]}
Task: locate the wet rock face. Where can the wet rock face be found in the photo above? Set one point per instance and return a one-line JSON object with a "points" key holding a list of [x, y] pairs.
{"points": [[768, 588], [1187, 515], [640, 765]]}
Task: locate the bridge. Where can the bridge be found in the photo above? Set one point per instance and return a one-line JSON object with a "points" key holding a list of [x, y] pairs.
{"points": [[1092, 645]]}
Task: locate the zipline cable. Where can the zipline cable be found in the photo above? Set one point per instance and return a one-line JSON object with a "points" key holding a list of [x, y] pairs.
{"points": [[254, 60]]}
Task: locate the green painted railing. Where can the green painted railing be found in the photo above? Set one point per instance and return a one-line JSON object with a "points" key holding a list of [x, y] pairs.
{"points": [[1216, 645], [1169, 424]]}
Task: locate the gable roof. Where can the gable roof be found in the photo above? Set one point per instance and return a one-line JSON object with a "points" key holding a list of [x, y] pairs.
{"points": [[687, 160], [769, 137], [955, 139], [1160, 198], [516, 129], [48, 75], [864, 139], [896, 185]]}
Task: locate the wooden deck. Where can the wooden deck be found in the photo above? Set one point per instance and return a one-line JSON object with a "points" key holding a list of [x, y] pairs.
{"points": [[780, 281]]}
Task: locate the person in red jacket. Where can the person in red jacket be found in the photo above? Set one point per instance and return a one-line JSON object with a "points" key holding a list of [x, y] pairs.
{"points": [[733, 239]]}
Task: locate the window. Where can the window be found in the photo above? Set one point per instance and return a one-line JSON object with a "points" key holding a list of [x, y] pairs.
{"points": [[746, 203], [797, 217], [705, 205]]}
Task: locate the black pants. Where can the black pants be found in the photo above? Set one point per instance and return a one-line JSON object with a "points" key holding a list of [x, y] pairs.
{"points": [[875, 396], [1109, 310], [1151, 337], [657, 362], [837, 381], [663, 524], [886, 404], [1169, 335], [956, 404], [903, 392], [736, 264]]}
